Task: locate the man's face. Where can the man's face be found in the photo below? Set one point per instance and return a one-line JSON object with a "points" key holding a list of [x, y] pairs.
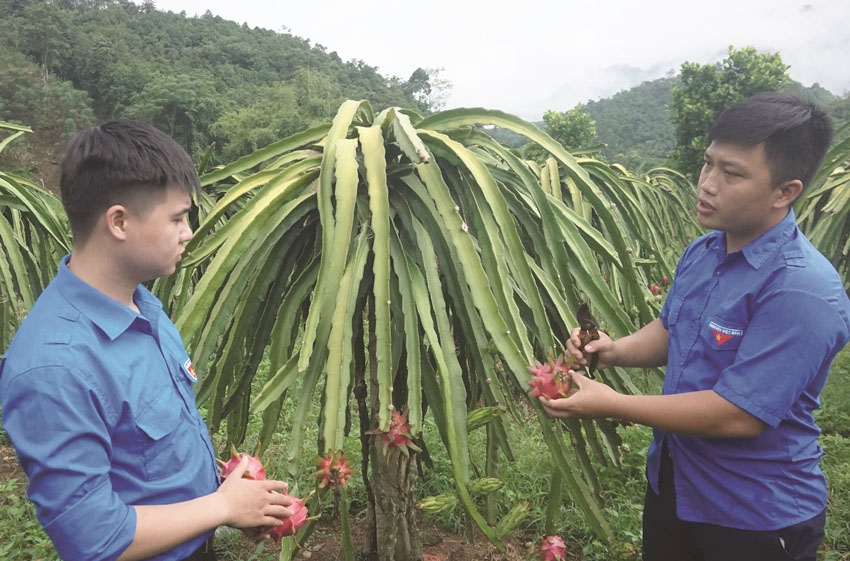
{"points": [[735, 193], [156, 236]]}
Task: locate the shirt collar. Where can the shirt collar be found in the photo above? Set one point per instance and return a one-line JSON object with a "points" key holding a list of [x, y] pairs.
{"points": [[112, 317], [758, 251]]}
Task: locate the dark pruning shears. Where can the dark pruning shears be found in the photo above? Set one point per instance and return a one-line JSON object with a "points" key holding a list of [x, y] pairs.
{"points": [[588, 332]]}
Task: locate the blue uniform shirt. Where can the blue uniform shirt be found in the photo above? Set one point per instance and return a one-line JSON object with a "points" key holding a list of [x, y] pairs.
{"points": [[99, 404], [760, 327]]}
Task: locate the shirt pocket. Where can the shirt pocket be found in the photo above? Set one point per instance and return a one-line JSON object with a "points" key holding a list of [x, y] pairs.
{"points": [[159, 425], [722, 335], [674, 306]]}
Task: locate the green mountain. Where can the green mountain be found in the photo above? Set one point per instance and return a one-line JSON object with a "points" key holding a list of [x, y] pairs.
{"points": [[204, 80], [635, 127], [224, 89]]}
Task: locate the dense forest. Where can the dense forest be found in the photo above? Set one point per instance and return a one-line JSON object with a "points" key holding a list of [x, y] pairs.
{"points": [[204, 80], [223, 89]]}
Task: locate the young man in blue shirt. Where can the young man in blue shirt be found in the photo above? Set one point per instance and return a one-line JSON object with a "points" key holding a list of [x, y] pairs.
{"points": [[748, 331], [96, 386]]}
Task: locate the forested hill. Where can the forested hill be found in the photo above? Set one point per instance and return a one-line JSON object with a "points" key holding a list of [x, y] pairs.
{"points": [[635, 124], [69, 63]]}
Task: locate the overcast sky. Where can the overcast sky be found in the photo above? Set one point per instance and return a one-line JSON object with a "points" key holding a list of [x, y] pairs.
{"points": [[526, 57]]}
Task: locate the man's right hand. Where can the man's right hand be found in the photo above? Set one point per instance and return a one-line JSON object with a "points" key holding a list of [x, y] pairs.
{"points": [[251, 503], [604, 347]]}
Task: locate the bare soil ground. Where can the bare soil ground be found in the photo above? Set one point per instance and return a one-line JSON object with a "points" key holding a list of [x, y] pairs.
{"points": [[439, 544]]}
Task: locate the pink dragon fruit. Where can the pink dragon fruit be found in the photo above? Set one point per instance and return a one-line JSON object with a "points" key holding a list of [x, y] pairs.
{"points": [[290, 524], [255, 467], [257, 471], [553, 548], [551, 379]]}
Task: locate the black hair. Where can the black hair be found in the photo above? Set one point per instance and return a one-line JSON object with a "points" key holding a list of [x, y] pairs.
{"points": [[121, 162], [796, 133]]}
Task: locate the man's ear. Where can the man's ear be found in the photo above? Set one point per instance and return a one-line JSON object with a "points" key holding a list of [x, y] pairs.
{"points": [[116, 221], [787, 193]]}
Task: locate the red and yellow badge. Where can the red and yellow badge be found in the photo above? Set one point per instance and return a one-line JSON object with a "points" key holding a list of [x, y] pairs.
{"points": [[190, 368], [722, 334], [720, 337]]}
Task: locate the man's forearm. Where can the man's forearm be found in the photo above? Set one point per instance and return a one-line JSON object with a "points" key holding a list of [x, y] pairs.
{"points": [[163, 527], [645, 348], [703, 413]]}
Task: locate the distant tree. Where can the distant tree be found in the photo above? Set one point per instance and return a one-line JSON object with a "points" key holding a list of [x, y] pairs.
{"points": [[318, 95], [118, 51], [428, 88], [53, 108], [274, 115], [417, 84], [572, 129], [839, 110], [814, 93], [182, 105], [706, 89], [43, 28]]}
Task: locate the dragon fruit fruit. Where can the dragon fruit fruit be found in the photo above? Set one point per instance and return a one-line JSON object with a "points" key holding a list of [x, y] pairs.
{"points": [[553, 548], [290, 524], [551, 379], [257, 471], [333, 470], [255, 467]]}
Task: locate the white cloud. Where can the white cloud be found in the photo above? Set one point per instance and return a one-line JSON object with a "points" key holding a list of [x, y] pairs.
{"points": [[545, 54]]}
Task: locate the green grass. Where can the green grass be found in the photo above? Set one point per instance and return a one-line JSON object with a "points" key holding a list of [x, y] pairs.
{"points": [[21, 536], [834, 419], [527, 478]]}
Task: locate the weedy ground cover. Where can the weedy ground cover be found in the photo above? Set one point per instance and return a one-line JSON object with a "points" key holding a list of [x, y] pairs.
{"points": [[527, 478]]}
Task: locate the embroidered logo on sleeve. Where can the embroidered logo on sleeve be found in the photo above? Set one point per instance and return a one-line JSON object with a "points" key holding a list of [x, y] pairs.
{"points": [[723, 334], [190, 368]]}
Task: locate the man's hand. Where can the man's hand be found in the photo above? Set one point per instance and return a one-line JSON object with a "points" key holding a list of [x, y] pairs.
{"points": [[646, 348], [591, 401], [238, 502], [251, 503], [603, 347]]}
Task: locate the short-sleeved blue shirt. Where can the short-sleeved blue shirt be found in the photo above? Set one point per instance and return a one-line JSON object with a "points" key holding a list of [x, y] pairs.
{"points": [[760, 327], [99, 404]]}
